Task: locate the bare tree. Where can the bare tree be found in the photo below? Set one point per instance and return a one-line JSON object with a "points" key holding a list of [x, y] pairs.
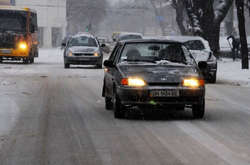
{"points": [[206, 18], [179, 7], [242, 30], [158, 13], [85, 15]]}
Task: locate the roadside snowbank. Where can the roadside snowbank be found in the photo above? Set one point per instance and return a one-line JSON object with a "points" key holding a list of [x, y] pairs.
{"points": [[231, 72]]}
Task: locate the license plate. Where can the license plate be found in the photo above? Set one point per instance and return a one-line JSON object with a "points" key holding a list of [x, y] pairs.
{"points": [[5, 51], [165, 93]]}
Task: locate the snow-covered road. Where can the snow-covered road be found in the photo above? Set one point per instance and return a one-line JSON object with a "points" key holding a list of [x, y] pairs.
{"points": [[52, 115]]}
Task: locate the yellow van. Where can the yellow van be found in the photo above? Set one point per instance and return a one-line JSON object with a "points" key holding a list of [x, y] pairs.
{"points": [[18, 34]]}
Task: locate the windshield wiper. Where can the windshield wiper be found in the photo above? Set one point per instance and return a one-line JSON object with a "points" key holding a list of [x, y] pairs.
{"points": [[141, 60], [165, 62]]}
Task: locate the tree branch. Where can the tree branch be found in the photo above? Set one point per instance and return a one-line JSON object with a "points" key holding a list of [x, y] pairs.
{"points": [[221, 10]]}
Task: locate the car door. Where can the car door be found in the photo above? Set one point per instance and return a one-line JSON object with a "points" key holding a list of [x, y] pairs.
{"points": [[109, 74], [66, 48]]}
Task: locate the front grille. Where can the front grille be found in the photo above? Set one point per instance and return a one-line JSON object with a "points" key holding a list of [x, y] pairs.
{"points": [[163, 84], [7, 40], [176, 99], [83, 54]]}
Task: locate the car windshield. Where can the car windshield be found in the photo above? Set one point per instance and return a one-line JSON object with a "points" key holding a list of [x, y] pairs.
{"points": [[130, 37], [83, 41], [194, 45], [164, 53], [10, 21]]}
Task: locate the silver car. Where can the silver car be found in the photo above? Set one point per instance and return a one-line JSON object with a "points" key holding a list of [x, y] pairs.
{"points": [[83, 49]]}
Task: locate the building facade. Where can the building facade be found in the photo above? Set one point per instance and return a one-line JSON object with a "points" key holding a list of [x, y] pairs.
{"points": [[51, 20], [7, 2]]}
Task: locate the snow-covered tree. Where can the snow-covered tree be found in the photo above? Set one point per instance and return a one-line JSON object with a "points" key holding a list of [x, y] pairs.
{"points": [[206, 17], [85, 15]]}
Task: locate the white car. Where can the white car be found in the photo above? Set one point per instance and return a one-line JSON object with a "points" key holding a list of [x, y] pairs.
{"points": [[201, 51]]}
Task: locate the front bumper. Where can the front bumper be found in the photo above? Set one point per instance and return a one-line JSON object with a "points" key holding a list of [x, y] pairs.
{"points": [[141, 96], [13, 53], [83, 60]]}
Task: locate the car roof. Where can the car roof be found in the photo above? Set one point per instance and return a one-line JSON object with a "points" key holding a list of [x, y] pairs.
{"points": [[14, 8], [185, 38], [129, 33], [83, 35], [190, 38], [148, 41]]}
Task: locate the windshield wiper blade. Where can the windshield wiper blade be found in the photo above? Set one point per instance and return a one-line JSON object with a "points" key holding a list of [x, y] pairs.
{"points": [[151, 61]]}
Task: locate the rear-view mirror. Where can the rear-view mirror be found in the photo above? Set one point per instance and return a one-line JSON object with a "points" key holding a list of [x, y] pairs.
{"points": [[108, 63], [63, 44]]}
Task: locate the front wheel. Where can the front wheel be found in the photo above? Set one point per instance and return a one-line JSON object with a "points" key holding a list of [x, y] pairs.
{"points": [[118, 107], [108, 103], [213, 79], [66, 65], [25, 60], [198, 110], [32, 60]]}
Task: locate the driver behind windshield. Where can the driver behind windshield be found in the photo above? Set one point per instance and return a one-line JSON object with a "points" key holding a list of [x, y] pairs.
{"points": [[143, 52], [83, 41]]}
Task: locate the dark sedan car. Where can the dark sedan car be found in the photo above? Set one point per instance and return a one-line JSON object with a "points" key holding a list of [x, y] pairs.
{"points": [[83, 49], [153, 74]]}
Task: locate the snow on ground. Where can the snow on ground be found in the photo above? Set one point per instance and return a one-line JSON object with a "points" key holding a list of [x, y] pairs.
{"points": [[231, 72]]}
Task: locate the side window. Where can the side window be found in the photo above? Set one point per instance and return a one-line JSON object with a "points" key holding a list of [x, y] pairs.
{"points": [[112, 56], [33, 23]]}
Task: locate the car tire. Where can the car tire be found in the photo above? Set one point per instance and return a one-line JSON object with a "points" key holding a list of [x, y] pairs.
{"points": [[213, 79], [108, 103], [198, 110], [66, 65], [31, 60], [25, 60], [118, 107]]}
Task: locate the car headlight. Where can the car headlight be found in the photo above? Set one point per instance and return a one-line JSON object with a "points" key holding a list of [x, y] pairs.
{"points": [[70, 54], [193, 82], [133, 82], [96, 54], [23, 45]]}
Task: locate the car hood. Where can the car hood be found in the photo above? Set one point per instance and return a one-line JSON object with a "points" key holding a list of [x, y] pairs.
{"points": [[83, 49], [200, 55], [158, 73]]}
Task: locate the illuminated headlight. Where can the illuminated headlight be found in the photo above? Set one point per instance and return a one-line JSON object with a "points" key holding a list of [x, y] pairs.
{"points": [[70, 54], [193, 83], [96, 54], [23, 46], [133, 82]]}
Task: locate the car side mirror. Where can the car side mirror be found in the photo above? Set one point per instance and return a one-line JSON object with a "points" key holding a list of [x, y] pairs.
{"points": [[103, 45], [202, 65], [108, 63], [63, 44]]}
